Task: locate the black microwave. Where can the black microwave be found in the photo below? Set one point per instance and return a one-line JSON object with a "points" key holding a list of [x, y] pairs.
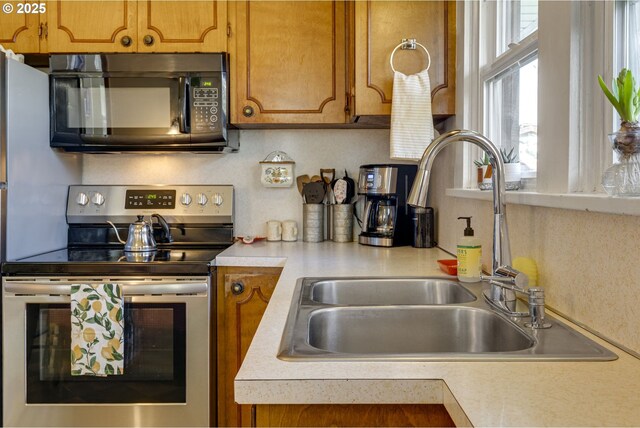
{"points": [[141, 102]]}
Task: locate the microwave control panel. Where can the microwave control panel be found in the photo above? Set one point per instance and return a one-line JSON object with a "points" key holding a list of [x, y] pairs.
{"points": [[206, 106]]}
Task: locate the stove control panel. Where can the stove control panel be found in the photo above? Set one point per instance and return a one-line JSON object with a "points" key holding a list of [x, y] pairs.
{"points": [[207, 204]]}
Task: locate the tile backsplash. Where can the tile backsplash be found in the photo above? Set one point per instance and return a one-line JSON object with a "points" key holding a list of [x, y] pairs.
{"points": [[311, 149]]}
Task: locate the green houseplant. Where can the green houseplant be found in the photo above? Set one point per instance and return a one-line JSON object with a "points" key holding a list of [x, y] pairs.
{"points": [[625, 98], [512, 170], [484, 172], [623, 178]]}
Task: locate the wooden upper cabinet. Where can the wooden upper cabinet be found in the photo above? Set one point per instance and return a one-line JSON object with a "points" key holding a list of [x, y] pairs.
{"points": [[92, 26], [21, 32], [138, 26], [288, 62], [182, 26], [379, 28]]}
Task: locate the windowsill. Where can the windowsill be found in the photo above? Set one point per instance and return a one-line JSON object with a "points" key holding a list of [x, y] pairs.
{"points": [[593, 202]]}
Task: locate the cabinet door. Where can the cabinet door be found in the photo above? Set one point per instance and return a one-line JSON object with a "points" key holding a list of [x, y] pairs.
{"points": [[243, 295], [92, 26], [182, 26], [289, 62], [379, 28], [20, 31]]}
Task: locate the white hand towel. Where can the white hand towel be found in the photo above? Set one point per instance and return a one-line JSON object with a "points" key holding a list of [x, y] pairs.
{"points": [[411, 119]]}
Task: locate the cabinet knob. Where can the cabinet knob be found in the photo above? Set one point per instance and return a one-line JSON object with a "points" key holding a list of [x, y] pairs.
{"points": [[237, 288], [148, 40], [126, 41], [247, 111]]}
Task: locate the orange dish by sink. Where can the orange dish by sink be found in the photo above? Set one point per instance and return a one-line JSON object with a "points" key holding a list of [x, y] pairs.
{"points": [[449, 266]]}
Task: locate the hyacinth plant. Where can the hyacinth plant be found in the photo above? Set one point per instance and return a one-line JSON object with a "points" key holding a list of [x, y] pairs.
{"points": [[625, 98]]}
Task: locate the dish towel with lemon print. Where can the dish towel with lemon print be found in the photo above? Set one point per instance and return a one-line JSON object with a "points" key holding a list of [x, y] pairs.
{"points": [[97, 324]]}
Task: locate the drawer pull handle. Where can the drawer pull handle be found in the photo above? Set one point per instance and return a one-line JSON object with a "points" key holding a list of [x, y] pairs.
{"points": [[148, 40]]}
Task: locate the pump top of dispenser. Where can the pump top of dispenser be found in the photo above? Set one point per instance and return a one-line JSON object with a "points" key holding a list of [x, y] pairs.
{"points": [[468, 231]]}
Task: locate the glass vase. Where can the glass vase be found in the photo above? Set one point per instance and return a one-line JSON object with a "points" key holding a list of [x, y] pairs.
{"points": [[623, 177]]}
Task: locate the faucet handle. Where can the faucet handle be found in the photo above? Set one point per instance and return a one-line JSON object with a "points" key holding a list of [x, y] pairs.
{"points": [[507, 274]]}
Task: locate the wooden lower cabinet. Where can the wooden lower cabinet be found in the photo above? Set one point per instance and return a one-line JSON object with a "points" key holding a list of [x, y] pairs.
{"points": [[242, 297], [351, 415]]}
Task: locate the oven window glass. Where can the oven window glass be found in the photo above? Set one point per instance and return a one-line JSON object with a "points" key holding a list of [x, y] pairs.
{"points": [[154, 357]]}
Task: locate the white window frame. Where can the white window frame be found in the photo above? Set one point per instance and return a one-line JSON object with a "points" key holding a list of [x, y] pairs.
{"points": [[573, 124]]}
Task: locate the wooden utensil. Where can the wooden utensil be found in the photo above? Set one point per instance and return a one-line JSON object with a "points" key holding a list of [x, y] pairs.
{"points": [[301, 180], [327, 175], [316, 179]]}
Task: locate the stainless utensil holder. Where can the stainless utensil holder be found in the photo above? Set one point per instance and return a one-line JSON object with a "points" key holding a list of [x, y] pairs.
{"points": [[313, 222], [342, 223]]}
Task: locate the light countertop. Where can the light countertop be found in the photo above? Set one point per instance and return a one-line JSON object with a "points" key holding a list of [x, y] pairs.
{"points": [[475, 393]]}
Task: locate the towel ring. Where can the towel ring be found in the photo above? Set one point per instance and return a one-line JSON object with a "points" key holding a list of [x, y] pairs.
{"points": [[409, 44]]}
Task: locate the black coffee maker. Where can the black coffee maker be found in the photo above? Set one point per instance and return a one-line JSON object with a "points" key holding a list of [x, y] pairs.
{"points": [[387, 220]]}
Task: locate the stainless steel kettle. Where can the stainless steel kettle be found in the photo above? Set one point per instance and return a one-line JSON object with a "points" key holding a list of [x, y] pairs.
{"points": [[140, 237]]}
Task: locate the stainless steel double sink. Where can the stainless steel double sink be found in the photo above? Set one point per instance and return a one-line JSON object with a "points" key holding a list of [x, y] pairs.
{"points": [[417, 319]]}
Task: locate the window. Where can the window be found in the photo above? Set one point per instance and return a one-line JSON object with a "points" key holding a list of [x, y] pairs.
{"points": [[549, 53], [628, 25], [510, 79]]}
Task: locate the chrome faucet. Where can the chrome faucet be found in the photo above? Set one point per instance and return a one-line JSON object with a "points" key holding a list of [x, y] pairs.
{"points": [[504, 279]]}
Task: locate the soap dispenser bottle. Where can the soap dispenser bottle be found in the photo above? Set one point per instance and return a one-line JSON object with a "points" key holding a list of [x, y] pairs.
{"points": [[469, 253]]}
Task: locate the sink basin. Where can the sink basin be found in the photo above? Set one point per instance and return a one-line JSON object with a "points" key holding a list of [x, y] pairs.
{"points": [[413, 330], [418, 319], [389, 291]]}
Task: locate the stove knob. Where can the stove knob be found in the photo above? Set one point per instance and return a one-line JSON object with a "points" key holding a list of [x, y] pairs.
{"points": [[82, 199], [185, 199], [217, 200], [97, 199], [202, 199]]}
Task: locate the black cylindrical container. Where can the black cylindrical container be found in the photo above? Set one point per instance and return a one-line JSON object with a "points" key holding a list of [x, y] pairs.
{"points": [[423, 228]]}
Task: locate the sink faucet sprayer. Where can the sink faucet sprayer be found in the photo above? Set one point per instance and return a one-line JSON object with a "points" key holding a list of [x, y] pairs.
{"points": [[505, 281]]}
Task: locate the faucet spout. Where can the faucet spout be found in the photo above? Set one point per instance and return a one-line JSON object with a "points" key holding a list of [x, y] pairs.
{"points": [[418, 198]]}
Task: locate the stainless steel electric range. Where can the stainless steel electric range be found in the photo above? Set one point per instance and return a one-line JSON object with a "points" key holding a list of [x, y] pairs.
{"points": [[169, 347]]}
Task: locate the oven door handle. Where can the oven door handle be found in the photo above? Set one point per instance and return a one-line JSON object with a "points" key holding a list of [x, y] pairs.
{"points": [[128, 289]]}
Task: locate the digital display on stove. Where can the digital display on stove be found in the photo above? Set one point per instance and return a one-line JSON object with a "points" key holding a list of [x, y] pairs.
{"points": [[143, 199]]}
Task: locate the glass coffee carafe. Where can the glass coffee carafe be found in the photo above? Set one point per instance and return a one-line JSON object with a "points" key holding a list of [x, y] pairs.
{"points": [[385, 215]]}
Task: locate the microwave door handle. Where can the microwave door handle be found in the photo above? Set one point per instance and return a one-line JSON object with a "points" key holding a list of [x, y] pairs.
{"points": [[185, 105]]}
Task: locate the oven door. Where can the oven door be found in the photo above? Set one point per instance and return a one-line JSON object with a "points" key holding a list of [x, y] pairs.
{"points": [[166, 356]]}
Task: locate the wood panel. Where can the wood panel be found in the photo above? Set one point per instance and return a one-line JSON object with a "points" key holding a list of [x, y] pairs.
{"points": [[380, 27], [182, 26], [92, 26], [238, 316], [352, 415], [289, 62], [19, 31]]}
